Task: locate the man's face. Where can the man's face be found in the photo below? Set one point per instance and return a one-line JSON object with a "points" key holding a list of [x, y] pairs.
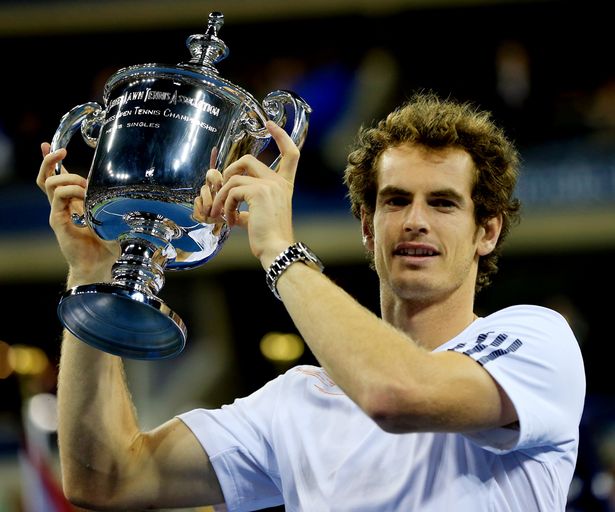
{"points": [[424, 237]]}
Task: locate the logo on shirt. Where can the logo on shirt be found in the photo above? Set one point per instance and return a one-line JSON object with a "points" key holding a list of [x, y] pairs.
{"points": [[325, 383], [484, 351]]}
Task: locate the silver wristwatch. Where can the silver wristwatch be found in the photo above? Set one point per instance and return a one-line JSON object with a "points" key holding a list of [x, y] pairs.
{"points": [[296, 252]]}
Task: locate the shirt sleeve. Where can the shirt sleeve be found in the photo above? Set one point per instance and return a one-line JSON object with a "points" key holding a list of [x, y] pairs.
{"points": [[532, 353], [237, 440]]}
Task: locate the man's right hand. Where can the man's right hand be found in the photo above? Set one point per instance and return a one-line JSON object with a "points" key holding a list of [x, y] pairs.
{"points": [[89, 257]]}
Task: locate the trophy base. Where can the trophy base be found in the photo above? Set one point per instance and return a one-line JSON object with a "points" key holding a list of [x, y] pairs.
{"points": [[122, 321]]}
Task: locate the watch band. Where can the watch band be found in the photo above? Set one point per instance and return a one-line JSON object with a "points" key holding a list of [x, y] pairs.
{"points": [[296, 252]]}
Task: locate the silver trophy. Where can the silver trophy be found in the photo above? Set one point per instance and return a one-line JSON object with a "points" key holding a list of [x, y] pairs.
{"points": [[161, 129]]}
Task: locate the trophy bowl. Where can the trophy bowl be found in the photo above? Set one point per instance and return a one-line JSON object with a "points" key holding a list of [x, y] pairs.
{"points": [[161, 128]]}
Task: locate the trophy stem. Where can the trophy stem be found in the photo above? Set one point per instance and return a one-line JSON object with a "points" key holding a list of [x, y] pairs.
{"points": [[145, 251], [140, 267]]}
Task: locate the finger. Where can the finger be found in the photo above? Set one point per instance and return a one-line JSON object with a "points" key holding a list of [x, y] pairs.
{"points": [[242, 219], [68, 199], [234, 198], [202, 209], [58, 180], [198, 212], [214, 180], [213, 183], [69, 192], [288, 150], [246, 165], [213, 157], [47, 168], [203, 203], [55, 182], [236, 185]]}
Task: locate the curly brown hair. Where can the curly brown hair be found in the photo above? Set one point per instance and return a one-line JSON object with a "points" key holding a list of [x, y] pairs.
{"points": [[433, 122]]}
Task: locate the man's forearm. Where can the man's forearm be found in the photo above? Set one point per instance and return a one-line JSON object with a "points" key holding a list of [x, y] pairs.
{"points": [[97, 422], [353, 345], [401, 385]]}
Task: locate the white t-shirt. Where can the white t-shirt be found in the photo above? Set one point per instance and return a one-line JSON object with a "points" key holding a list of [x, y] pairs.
{"points": [[301, 441]]}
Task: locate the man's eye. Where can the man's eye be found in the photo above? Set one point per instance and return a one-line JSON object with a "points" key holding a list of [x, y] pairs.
{"points": [[397, 201], [443, 203]]}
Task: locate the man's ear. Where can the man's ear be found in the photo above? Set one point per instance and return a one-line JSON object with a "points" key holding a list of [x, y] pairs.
{"points": [[367, 227], [489, 235]]}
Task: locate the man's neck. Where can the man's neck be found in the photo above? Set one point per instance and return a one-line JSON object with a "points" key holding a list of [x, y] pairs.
{"points": [[429, 323]]}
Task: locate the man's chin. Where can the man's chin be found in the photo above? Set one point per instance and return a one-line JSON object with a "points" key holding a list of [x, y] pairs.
{"points": [[413, 288]]}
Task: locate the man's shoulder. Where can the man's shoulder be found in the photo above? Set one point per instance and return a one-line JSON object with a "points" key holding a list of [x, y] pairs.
{"points": [[526, 320], [526, 312], [512, 330]]}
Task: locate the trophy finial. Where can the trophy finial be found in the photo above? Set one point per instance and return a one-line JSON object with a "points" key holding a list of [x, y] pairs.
{"points": [[207, 49], [216, 20]]}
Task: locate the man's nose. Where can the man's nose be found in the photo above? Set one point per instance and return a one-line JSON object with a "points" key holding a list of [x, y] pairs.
{"points": [[415, 219]]}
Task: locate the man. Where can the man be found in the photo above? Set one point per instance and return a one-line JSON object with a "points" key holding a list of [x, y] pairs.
{"points": [[428, 408]]}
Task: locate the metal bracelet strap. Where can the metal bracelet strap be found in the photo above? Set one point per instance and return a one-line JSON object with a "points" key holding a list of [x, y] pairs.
{"points": [[296, 252]]}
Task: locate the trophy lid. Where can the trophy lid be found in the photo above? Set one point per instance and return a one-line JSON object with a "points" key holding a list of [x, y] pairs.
{"points": [[207, 49]]}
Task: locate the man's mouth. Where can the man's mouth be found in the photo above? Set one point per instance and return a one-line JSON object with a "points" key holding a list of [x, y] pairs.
{"points": [[415, 251]]}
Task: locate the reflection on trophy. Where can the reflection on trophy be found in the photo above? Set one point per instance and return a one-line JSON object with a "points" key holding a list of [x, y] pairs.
{"points": [[161, 129]]}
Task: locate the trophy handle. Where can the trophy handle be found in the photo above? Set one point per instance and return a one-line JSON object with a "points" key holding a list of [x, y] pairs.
{"points": [[88, 117], [275, 104]]}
